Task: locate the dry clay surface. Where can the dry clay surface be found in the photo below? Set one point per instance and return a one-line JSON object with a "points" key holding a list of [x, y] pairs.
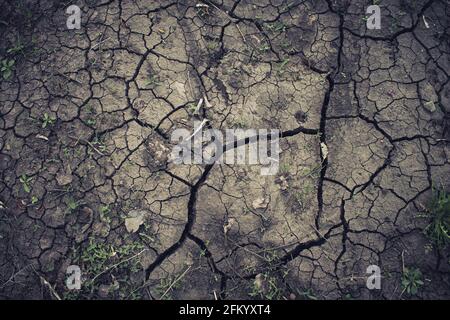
{"points": [[86, 121]]}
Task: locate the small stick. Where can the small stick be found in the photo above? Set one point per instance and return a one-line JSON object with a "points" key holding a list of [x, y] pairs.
{"points": [[53, 291], [208, 105], [99, 43], [95, 149], [190, 85], [249, 251], [197, 130], [173, 283], [119, 263], [199, 105], [239, 29]]}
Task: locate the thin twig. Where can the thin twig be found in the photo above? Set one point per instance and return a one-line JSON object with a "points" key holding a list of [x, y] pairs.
{"points": [[50, 287], [239, 29], [403, 260], [100, 42], [197, 130], [190, 85], [117, 264], [14, 275], [95, 149], [199, 105], [88, 143]]}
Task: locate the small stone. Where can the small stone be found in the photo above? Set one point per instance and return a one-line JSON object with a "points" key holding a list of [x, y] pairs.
{"points": [[85, 215]]}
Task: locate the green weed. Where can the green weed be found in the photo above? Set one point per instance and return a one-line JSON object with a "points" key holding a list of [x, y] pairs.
{"points": [[153, 81], [307, 294], [47, 120], [72, 205], [438, 230], [411, 280], [34, 200], [276, 27], [25, 183]]}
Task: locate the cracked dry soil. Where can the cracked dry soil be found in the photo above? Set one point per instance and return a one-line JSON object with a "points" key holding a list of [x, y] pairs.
{"points": [[86, 119]]}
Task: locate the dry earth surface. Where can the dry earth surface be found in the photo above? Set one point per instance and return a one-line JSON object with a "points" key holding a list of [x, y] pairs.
{"points": [[86, 121]]}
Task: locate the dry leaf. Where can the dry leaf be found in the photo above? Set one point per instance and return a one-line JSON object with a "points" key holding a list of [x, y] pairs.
{"points": [[259, 281], [260, 203], [207, 104], [133, 224], [229, 225], [134, 220], [199, 105]]}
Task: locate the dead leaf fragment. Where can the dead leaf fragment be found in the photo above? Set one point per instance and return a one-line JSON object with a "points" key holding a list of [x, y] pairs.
{"points": [[227, 227], [132, 224], [134, 220], [259, 281], [260, 203]]}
